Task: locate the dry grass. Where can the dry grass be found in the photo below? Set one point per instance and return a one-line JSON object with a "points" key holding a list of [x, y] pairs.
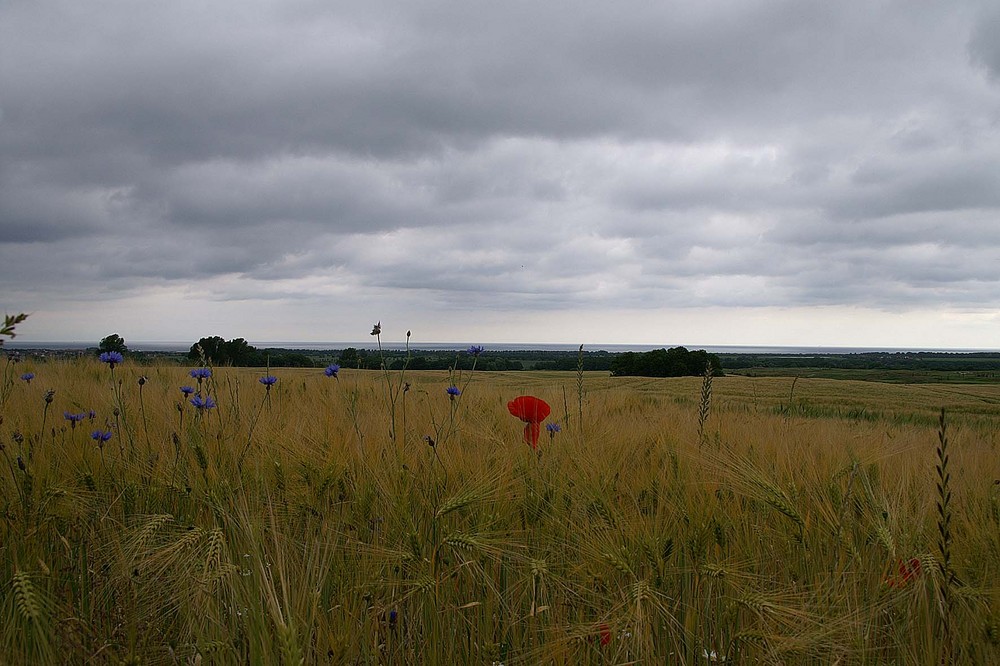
{"points": [[771, 532]]}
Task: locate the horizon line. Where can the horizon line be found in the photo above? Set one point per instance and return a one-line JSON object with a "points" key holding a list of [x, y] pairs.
{"points": [[322, 345]]}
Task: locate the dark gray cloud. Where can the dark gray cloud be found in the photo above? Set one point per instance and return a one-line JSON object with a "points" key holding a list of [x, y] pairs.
{"points": [[432, 157]]}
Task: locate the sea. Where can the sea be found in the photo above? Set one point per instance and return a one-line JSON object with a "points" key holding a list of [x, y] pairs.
{"points": [[176, 346]]}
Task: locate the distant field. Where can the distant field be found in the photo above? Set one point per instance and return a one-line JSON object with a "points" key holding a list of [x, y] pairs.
{"points": [[877, 375], [790, 520]]}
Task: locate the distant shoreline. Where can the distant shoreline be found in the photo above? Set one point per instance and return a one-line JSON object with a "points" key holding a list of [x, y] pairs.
{"points": [[616, 348]]}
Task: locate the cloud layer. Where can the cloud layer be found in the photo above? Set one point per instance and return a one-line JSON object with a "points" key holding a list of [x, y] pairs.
{"points": [[497, 162]]}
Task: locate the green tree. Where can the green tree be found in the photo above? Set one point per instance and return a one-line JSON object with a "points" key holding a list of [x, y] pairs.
{"points": [[241, 353], [112, 343], [280, 359], [235, 352], [212, 347], [673, 362], [349, 358]]}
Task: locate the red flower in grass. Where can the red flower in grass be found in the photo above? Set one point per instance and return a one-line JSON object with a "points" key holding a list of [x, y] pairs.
{"points": [[907, 572], [532, 411], [603, 635]]}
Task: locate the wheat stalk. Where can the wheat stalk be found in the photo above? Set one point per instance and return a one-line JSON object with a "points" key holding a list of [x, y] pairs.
{"points": [[145, 534], [579, 390], [705, 403], [213, 551], [462, 541], [457, 502], [26, 599], [947, 578], [619, 564], [291, 651]]}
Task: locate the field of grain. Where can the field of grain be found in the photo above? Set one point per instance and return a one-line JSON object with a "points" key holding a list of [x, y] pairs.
{"points": [[755, 520]]}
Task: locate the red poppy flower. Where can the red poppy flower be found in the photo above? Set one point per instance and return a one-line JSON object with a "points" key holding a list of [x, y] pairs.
{"points": [[532, 411], [907, 572]]}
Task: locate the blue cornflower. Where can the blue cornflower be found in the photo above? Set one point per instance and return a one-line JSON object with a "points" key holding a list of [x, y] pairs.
{"points": [[112, 358], [201, 373], [268, 381], [332, 370], [203, 403], [101, 436], [553, 428], [74, 418], [474, 350], [187, 390], [453, 392], [28, 376]]}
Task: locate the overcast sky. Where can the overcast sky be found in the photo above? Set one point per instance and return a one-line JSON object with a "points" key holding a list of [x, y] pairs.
{"points": [[698, 172]]}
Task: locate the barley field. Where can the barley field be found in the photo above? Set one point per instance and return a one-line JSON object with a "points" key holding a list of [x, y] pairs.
{"points": [[375, 518]]}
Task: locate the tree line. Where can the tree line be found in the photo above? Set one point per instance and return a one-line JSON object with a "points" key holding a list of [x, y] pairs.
{"points": [[215, 350]]}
